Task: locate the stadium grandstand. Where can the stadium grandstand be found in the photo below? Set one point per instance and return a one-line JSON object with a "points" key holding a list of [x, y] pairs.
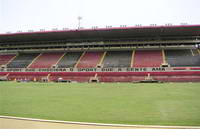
{"points": [[125, 54]]}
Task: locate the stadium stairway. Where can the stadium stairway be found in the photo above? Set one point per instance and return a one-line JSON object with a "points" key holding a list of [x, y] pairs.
{"points": [[69, 60], [148, 58], [132, 58], [117, 59], [6, 59], [90, 60], [46, 60], [34, 60], [22, 60], [75, 66], [194, 52], [198, 51], [164, 58], [102, 58]]}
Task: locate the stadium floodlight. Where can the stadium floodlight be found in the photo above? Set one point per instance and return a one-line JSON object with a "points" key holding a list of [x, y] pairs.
{"points": [[184, 23], [65, 28], [42, 30], [55, 29], [94, 27], [168, 24], [30, 30], [79, 21], [138, 25], [153, 24], [19, 31], [122, 25], [108, 26]]}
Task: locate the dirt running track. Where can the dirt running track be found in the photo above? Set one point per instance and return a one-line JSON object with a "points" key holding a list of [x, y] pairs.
{"points": [[18, 123]]}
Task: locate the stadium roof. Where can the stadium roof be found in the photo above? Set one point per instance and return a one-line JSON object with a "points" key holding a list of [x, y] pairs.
{"points": [[103, 33]]}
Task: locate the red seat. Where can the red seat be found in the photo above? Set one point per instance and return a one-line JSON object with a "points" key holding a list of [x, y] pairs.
{"points": [[148, 58], [90, 60], [46, 60], [4, 59]]}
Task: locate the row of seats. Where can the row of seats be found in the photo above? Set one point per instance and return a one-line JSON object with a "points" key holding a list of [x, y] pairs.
{"points": [[22, 60], [90, 60], [138, 58], [151, 58], [4, 59], [117, 59], [69, 60], [182, 58], [46, 60]]}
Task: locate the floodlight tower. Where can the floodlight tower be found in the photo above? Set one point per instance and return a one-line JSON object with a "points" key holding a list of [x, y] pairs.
{"points": [[79, 21]]}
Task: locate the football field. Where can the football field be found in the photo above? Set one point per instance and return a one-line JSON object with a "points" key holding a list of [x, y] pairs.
{"points": [[117, 103]]}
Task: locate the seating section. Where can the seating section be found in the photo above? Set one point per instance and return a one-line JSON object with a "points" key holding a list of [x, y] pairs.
{"points": [[117, 59], [4, 59], [46, 60], [69, 60], [182, 58], [147, 58], [22, 60], [90, 60]]}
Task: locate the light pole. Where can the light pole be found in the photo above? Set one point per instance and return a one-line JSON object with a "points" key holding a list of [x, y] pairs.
{"points": [[79, 22]]}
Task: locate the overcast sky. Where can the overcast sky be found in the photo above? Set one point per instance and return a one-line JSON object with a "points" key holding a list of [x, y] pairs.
{"points": [[47, 14]]}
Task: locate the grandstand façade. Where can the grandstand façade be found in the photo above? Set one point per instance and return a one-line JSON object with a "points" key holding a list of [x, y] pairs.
{"points": [[126, 54]]}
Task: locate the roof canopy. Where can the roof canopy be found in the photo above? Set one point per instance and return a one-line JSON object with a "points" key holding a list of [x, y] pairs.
{"points": [[103, 34]]}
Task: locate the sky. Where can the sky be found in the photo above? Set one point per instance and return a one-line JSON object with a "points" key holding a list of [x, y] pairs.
{"points": [[34, 15]]}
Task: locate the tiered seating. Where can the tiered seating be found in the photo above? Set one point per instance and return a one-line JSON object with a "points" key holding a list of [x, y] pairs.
{"points": [[22, 60], [69, 60], [117, 59], [182, 58], [46, 60], [74, 76], [4, 59], [90, 60], [147, 58]]}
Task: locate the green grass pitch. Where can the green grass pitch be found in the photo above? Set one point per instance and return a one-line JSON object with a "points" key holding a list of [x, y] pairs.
{"points": [[121, 103]]}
